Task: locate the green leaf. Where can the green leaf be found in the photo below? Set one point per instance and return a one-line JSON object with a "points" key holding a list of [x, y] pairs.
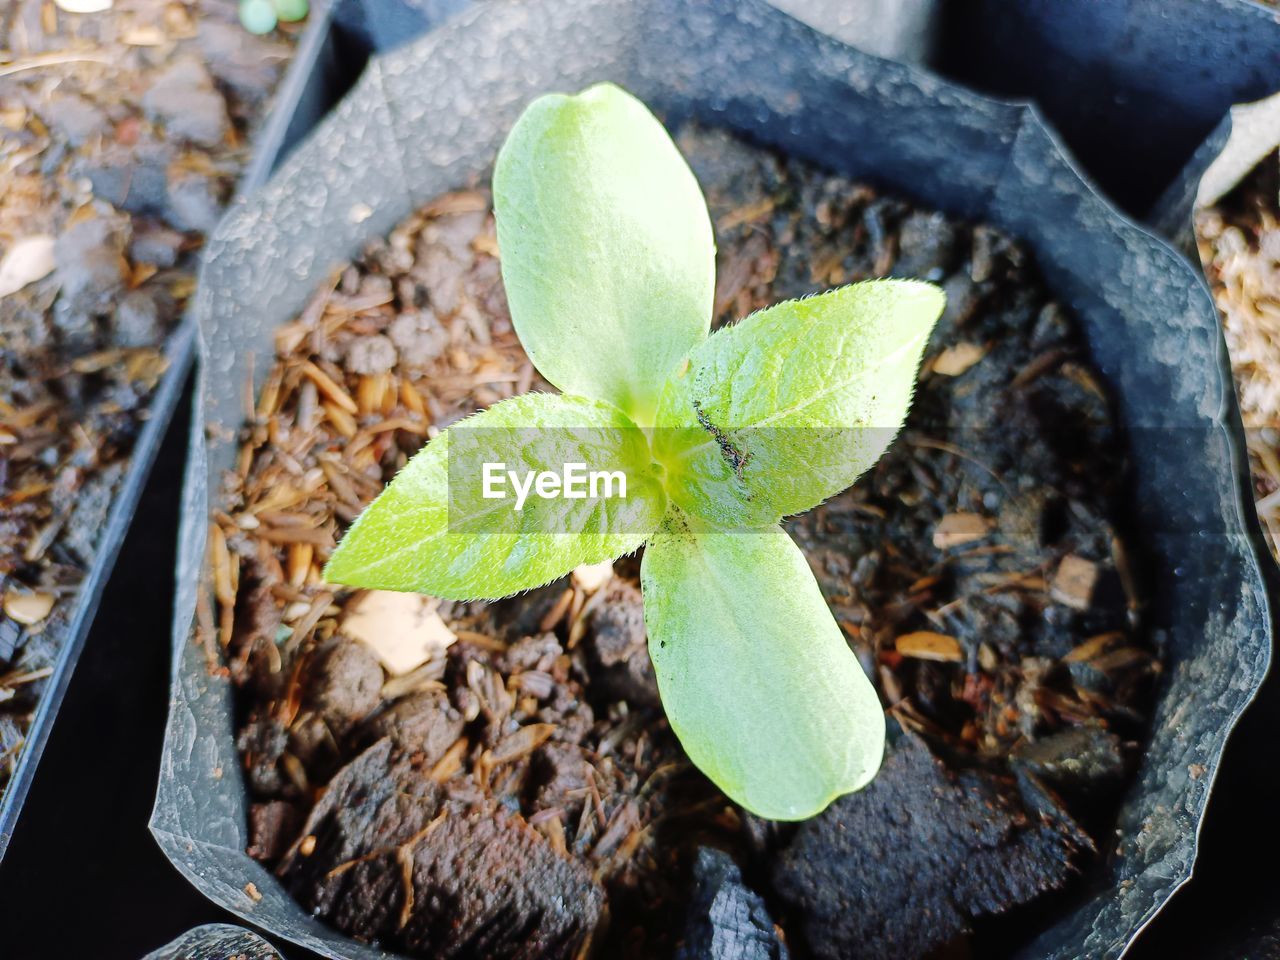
{"points": [[789, 406], [606, 246], [756, 678], [434, 531]]}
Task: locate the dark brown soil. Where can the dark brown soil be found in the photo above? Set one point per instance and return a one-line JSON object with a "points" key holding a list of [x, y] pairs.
{"points": [[517, 792], [123, 135]]}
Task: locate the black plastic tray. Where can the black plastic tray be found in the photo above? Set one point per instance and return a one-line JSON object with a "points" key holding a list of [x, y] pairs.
{"points": [[420, 121]]}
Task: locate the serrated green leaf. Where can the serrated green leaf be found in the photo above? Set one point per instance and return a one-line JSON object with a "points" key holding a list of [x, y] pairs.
{"points": [[433, 531], [606, 246], [789, 406], [756, 678]]}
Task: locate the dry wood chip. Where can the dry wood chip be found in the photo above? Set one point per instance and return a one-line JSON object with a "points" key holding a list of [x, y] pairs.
{"points": [[523, 742], [329, 387], [954, 361], [957, 529], [451, 762], [558, 611], [426, 677], [1074, 582], [747, 214], [553, 830], [927, 645], [1095, 646], [402, 629], [317, 538]]}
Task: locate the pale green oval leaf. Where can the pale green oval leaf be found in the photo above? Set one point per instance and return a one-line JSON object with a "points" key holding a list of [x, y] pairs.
{"points": [[791, 405], [434, 531], [756, 678], [607, 252]]}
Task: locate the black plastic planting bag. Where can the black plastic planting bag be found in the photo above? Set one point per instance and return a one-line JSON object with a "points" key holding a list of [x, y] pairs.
{"points": [[431, 115], [216, 941]]}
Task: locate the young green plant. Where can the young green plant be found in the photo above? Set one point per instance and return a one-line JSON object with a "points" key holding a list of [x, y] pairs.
{"points": [[609, 265]]}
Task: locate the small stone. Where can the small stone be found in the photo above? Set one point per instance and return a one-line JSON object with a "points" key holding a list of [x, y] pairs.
{"points": [[291, 11], [184, 99], [257, 16], [1025, 519], [27, 608]]}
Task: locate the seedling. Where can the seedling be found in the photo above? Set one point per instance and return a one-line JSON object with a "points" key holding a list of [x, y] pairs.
{"points": [[609, 265]]}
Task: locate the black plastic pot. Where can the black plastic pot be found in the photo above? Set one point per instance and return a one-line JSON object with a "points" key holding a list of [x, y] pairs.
{"points": [[425, 118], [217, 941], [1133, 86]]}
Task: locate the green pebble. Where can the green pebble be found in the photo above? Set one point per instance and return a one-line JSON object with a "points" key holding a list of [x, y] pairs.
{"points": [[257, 16], [290, 11]]}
